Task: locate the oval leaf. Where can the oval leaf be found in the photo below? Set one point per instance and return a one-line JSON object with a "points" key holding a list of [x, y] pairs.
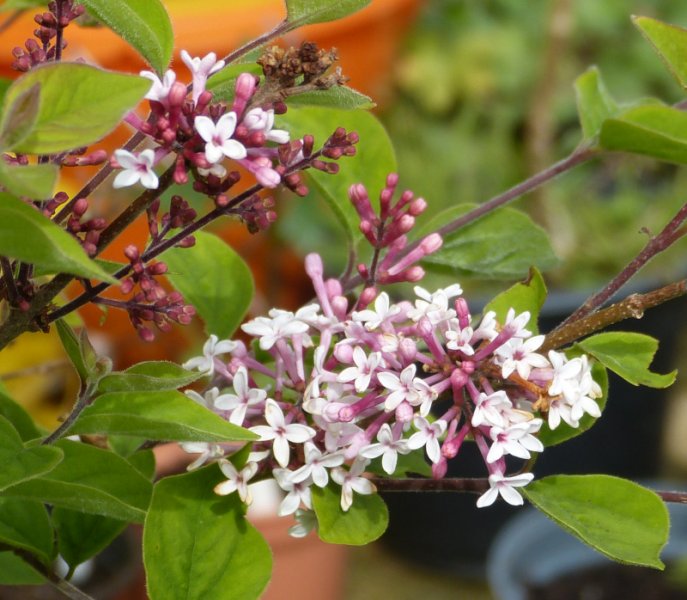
{"points": [[170, 416], [212, 277], [619, 518], [29, 236], [21, 464], [528, 295], [302, 12], [670, 42], [629, 355], [364, 522], [91, 480], [25, 524], [144, 24], [594, 103], [14, 571], [198, 545], [79, 105], [373, 161], [19, 418], [148, 377], [503, 244]]}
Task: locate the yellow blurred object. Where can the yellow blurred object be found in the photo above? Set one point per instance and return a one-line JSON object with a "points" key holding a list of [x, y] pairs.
{"points": [[40, 378]]}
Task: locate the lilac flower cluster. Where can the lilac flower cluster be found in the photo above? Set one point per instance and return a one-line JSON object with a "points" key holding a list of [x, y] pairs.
{"points": [[349, 382]]}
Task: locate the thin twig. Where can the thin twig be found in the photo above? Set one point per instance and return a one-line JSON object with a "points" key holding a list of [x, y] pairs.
{"points": [[675, 497]]}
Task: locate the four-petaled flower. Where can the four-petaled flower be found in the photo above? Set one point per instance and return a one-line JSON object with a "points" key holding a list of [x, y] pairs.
{"points": [[217, 136], [505, 486], [388, 448], [245, 396], [362, 371], [428, 436], [136, 167], [316, 465], [351, 481], [201, 69], [159, 91], [211, 348], [406, 387], [237, 481]]}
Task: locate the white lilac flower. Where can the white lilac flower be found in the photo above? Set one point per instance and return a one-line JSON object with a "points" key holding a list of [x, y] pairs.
{"points": [[504, 486], [573, 390], [218, 137], [489, 409], [407, 387], [434, 306], [201, 69], [306, 521], [316, 465], [160, 88], [382, 312], [515, 440], [388, 448], [428, 435], [237, 481], [298, 492], [487, 329], [363, 369], [258, 119], [206, 451], [245, 397], [517, 323], [135, 168], [270, 330], [519, 355], [211, 349], [281, 433], [460, 340], [351, 481]]}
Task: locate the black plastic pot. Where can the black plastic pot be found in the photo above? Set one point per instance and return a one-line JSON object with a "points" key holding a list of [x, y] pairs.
{"points": [[448, 532]]}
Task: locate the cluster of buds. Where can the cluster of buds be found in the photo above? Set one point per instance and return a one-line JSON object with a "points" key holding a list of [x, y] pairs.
{"points": [[179, 215], [89, 230], [58, 16], [348, 386], [152, 303]]}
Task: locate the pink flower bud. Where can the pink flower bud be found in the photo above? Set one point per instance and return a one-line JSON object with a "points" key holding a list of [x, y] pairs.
{"points": [[404, 413], [313, 265], [343, 353]]}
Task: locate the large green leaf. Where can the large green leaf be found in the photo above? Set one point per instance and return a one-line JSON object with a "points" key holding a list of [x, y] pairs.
{"points": [[198, 545], [670, 42], [147, 377], [25, 524], [20, 464], [564, 432], [14, 571], [528, 295], [629, 355], [27, 235], [19, 418], [373, 161], [503, 244], [32, 181], [79, 104], [651, 129], [619, 518], [594, 103], [91, 480], [81, 536], [302, 12], [144, 24], [213, 278], [364, 522], [166, 415]]}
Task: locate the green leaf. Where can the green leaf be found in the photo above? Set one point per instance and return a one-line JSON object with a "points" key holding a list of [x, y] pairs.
{"points": [[79, 105], [338, 96], [619, 518], [169, 415], [670, 42], [19, 418], [594, 103], [72, 347], [14, 571], [144, 462], [21, 464], [528, 295], [651, 130], [564, 432], [27, 235], [32, 181], [213, 278], [303, 12], [364, 522], [21, 4], [19, 116], [148, 376], [198, 545], [90, 480], [144, 24], [629, 355], [370, 166], [223, 83], [503, 244], [81, 536], [25, 524], [125, 445]]}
